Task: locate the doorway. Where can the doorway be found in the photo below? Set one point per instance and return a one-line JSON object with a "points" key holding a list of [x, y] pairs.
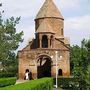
{"points": [[44, 66], [60, 72]]}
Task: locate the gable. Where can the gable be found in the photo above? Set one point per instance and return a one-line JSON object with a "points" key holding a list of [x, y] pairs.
{"points": [[61, 45]]}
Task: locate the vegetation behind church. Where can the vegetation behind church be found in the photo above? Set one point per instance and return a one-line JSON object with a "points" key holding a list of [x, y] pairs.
{"points": [[9, 42], [80, 63]]}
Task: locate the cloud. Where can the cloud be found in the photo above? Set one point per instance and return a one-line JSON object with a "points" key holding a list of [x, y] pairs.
{"points": [[72, 4], [28, 34], [73, 7], [24, 8], [77, 28], [68, 4]]}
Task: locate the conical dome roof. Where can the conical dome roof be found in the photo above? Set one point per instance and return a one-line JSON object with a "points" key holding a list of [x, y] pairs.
{"points": [[44, 27], [49, 9]]}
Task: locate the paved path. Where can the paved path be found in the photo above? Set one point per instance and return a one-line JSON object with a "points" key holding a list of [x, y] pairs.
{"points": [[21, 81]]}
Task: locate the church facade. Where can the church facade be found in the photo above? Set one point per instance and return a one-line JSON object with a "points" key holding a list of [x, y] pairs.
{"points": [[49, 45]]}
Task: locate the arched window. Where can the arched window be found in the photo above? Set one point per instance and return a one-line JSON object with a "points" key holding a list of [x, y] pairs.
{"points": [[44, 41], [60, 72]]}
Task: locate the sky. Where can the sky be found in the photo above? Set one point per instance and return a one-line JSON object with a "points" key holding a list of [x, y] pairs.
{"points": [[76, 15]]}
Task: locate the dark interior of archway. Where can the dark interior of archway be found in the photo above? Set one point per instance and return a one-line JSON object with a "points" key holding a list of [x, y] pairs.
{"points": [[45, 69], [27, 70], [44, 42], [60, 72]]}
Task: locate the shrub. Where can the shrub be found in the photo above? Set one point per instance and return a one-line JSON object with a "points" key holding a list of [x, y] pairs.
{"points": [[7, 81], [4, 75], [39, 84], [68, 83]]}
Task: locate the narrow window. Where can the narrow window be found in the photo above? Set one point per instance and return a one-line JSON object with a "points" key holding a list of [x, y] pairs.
{"points": [[62, 31], [44, 41]]}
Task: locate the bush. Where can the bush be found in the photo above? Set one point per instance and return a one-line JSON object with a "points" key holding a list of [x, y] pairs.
{"points": [[39, 84], [68, 83], [7, 81], [4, 75]]}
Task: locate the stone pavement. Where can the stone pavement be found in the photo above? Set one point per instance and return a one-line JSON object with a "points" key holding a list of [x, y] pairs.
{"points": [[21, 81]]}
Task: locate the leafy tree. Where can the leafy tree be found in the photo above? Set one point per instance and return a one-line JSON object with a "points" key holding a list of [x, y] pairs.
{"points": [[75, 60], [87, 78], [9, 42], [80, 60]]}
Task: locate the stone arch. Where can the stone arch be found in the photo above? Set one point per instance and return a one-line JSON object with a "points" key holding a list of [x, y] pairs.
{"points": [[44, 63], [44, 41], [27, 70]]}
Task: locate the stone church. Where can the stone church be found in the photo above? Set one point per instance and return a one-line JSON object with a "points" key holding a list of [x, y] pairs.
{"points": [[40, 55]]}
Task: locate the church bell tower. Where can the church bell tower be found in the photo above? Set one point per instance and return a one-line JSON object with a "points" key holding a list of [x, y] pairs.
{"points": [[49, 24]]}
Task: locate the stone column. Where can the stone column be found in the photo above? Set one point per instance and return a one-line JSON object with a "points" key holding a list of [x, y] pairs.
{"points": [[35, 69], [48, 41], [40, 41], [53, 42]]}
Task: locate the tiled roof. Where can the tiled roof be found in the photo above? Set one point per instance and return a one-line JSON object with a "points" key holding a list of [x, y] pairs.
{"points": [[49, 9]]}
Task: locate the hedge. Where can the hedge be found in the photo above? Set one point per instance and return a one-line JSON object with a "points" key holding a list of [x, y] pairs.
{"points": [[39, 84], [7, 81], [68, 83], [4, 75]]}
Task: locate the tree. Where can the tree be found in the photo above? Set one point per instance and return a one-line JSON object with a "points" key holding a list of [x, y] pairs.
{"points": [[9, 41], [75, 60], [80, 60], [87, 78]]}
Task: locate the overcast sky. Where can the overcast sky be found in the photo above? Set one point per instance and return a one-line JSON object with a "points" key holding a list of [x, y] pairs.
{"points": [[75, 12]]}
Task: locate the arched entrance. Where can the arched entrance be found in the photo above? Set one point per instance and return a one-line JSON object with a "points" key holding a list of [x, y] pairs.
{"points": [[27, 70], [60, 72], [44, 66]]}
